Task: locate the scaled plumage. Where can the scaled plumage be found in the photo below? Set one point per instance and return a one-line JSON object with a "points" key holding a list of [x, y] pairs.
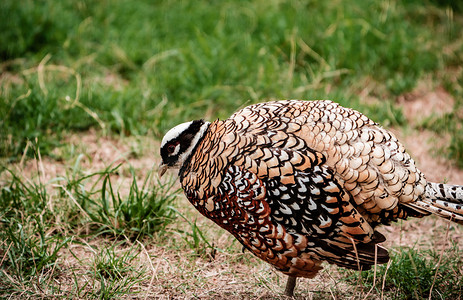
{"points": [[302, 182]]}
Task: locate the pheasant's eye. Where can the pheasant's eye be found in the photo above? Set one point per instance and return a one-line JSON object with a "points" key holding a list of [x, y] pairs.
{"points": [[171, 148]]}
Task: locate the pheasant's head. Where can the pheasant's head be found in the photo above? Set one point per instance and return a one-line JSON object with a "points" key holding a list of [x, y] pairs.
{"points": [[179, 142]]}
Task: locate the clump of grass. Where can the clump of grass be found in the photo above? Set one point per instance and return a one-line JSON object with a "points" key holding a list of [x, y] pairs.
{"points": [[44, 115], [141, 211], [414, 274], [28, 252], [112, 271], [115, 271], [28, 249], [108, 264], [133, 211], [195, 239]]}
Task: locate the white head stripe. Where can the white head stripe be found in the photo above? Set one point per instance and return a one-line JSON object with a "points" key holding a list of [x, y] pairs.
{"points": [[175, 132], [176, 151], [195, 140]]}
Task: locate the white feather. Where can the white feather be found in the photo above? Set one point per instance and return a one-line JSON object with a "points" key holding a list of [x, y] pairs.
{"points": [[175, 132]]}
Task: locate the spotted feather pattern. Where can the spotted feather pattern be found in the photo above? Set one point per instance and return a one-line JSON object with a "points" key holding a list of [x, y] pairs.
{"points": [[301, 182], [294, 226]]}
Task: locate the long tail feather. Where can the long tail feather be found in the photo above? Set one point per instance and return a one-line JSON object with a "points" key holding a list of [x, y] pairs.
{"points": [[451, 193], [444, 200]]}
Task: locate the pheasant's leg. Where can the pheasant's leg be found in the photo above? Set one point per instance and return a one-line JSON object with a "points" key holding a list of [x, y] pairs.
{"points": [[290, 285]]}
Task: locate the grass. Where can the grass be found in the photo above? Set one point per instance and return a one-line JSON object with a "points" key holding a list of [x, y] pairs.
{"points": [[143, 211], [414, 274], [196, 239], [87, 90], [137, 69], [40, 219], [115, 271]]}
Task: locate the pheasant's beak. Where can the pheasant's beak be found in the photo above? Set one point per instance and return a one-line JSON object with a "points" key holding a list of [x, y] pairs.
{"points": [[162, 169]]}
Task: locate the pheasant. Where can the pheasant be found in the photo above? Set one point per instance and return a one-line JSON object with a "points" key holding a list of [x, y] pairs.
{"points": [[298, 183]]}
